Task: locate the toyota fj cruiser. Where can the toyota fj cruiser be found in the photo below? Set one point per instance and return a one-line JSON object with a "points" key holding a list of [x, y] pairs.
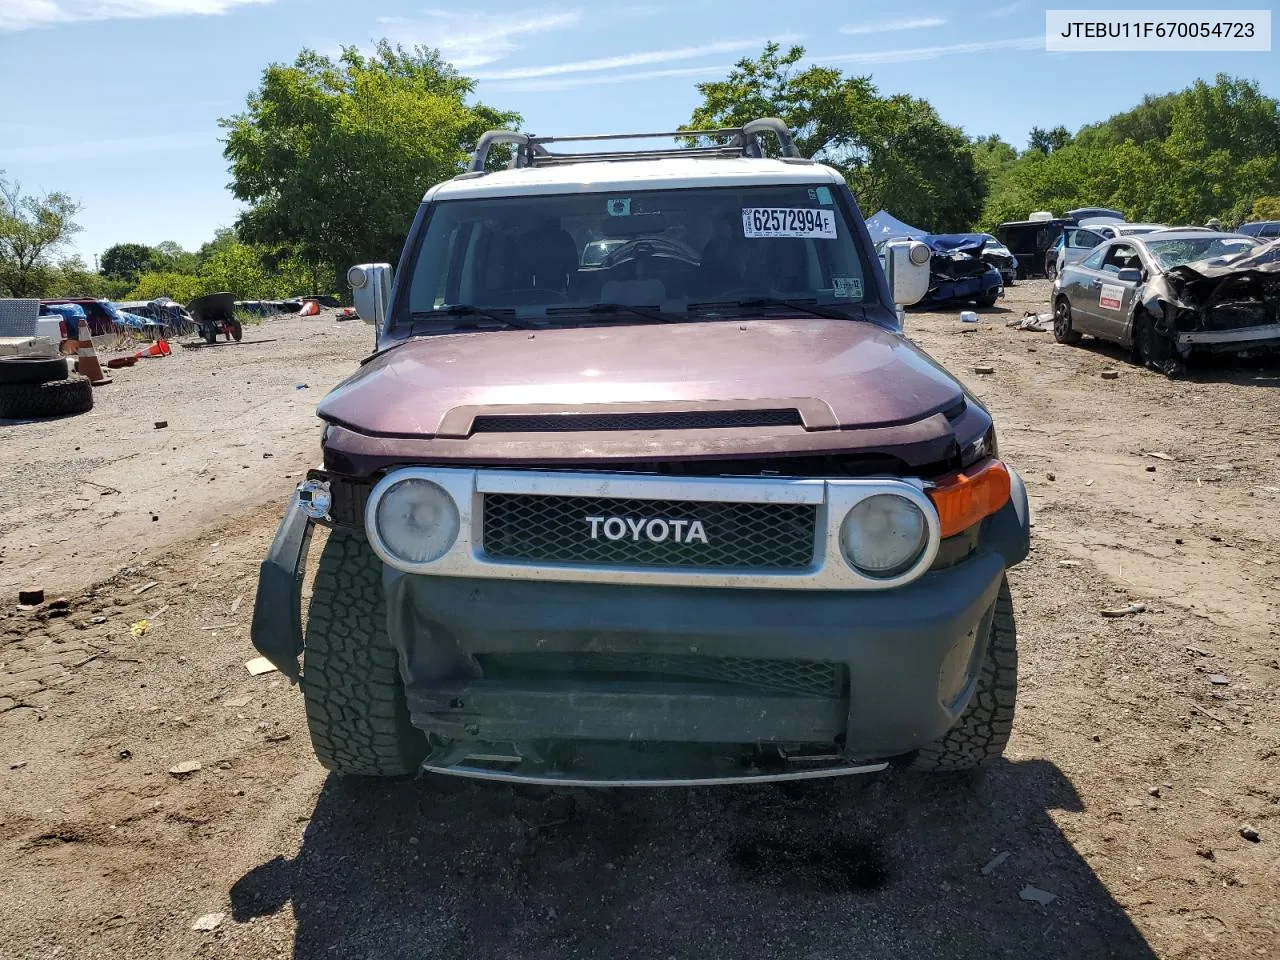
{"points": [[644, 485]]}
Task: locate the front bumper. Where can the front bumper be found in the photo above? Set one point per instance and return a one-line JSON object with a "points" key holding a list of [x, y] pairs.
{"points": [[905, 662], [1239, 339]]}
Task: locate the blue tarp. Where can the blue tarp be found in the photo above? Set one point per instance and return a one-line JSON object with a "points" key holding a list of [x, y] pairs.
{"points": [[885, 226], [67, 311], [133, 320], [951, 242]]}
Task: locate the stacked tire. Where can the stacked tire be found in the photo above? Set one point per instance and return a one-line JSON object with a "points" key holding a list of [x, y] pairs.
{"points": [[33, 387]]}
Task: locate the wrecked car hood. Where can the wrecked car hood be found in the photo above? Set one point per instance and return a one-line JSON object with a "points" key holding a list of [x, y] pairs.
{"points": [[1264, 259], [839, 374]]}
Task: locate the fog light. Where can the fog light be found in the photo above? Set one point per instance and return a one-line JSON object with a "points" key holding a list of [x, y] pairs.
{"points": [[314, 499]]}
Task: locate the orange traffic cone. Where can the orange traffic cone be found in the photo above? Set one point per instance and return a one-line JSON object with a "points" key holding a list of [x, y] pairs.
{"points": [[310, 308], [158, 349], [87, 362]]}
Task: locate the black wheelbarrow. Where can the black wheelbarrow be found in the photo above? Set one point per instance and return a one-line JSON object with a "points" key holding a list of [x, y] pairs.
{"points": [[215, 314]]}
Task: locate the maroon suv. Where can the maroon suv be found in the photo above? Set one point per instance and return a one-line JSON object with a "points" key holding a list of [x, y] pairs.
{"points": [[644, 485]]}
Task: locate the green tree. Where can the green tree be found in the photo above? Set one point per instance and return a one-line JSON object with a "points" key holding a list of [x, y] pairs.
{"points": [[169, 256], [32, 231], [1047, 141], [1265, 208], [182, 287], [333, 157], [895, 152], [124, 261]]}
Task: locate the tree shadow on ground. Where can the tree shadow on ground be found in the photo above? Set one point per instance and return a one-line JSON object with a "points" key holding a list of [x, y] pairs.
{"points": [[887, 866]]}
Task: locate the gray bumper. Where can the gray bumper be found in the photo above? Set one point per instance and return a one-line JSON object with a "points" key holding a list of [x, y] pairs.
{"points": [[276, 630]]}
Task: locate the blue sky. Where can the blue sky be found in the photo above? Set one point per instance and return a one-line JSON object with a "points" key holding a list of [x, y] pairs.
{"points": [[116, 101]]}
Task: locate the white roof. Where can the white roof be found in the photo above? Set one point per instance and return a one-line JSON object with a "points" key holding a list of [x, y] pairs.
{"points": [[612, 176]]}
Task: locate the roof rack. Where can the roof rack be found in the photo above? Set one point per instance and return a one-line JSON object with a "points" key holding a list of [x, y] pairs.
{"points": [[531, 151]]}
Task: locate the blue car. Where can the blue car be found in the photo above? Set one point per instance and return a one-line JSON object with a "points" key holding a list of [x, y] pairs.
{"points": [[959, 273]]}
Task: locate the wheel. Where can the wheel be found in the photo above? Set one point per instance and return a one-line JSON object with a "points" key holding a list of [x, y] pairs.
{"points": [[1051, 271], [1062, 330], [32, 369], [1141, 350], [210, 334], [351, 685], [53, 398], [237, 331], [983, 729], [988, 302]]}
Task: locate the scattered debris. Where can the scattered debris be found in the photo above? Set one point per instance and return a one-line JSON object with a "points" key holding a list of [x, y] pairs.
{"points": [[1036, 895], [302, 386], [1250, 833], [1051, 477], [276, 737], [30, 599], [1036, 322], [258, 666], [1125, 611], [1068, 563], [968, 316], [97, 620], [185, 768], [237, 703], [1219, 679], [1153, 791], [1204, 852], [1110, 374], [1160, 456], [145, 587], [161, 424], [209, 922], [140, 628], [235, 604], [17, 765], [1151, 469], [994, 862], [984, 368], [218, 626], [1196, 650]]}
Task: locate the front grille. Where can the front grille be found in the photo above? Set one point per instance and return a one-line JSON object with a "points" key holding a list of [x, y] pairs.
{"points": [[818, 678], [556, 529], [589, 422]]}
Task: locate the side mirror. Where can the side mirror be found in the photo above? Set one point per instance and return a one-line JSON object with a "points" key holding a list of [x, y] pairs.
{"points": [[371, 290], [906, 267], [1129, 275]]}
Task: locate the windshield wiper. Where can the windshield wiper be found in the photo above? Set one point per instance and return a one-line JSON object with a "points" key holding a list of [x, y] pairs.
{"points": [[802, 306], [470, 310], [654, 315]]}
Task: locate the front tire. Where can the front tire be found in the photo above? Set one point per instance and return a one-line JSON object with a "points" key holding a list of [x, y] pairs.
{"points": [[986, 303], [1063, 331], [983, 729], [351, 685]]}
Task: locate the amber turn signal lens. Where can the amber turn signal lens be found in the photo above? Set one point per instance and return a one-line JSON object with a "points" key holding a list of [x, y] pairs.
{"points": [[967, 496]]}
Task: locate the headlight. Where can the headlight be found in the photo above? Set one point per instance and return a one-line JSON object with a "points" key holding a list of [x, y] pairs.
{"points": [[417, 521], [919, 254], [884, 535]]}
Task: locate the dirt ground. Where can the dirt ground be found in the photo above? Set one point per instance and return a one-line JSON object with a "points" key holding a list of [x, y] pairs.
{"points": [[1142, 744]]}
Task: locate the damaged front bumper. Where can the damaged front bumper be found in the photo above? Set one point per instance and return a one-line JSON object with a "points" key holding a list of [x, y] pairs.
{"points": [[612, 684]]}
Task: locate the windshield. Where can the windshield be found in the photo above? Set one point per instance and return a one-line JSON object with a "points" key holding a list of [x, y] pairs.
{"points": [[666, 250], [1172, 253]]}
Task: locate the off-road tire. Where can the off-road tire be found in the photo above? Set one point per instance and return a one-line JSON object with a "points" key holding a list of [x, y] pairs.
{"points": [[1063, 331], [351, 683], [237, 331], [983, 729], [32, 369], [987, 303], [53, 398], [210, 334]]}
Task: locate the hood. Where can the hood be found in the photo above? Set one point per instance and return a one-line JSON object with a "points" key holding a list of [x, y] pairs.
{"points": [[970, 243], [837, 373], [1264, 259]]}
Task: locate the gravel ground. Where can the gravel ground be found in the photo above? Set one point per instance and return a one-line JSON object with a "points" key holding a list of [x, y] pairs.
{"points": [[1128, 778], [79, 495]]}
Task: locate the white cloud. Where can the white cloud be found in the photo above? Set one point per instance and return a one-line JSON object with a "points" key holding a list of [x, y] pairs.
{"points": [[22, 14], [473, 39], [1035, 42], [1007, 10], [566, 83], [111, 147], [886, 26], [627, 60]]}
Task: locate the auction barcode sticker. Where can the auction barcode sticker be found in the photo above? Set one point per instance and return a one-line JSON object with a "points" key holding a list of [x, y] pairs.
{"points": [[788, 222], [1157, 30]]}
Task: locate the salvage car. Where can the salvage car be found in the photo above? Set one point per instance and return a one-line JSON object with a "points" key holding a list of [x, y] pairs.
{"points": [[1266, 229], [959, 271], [1077, 242], [1168, 294], [1000, 257], [696, 512]]}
